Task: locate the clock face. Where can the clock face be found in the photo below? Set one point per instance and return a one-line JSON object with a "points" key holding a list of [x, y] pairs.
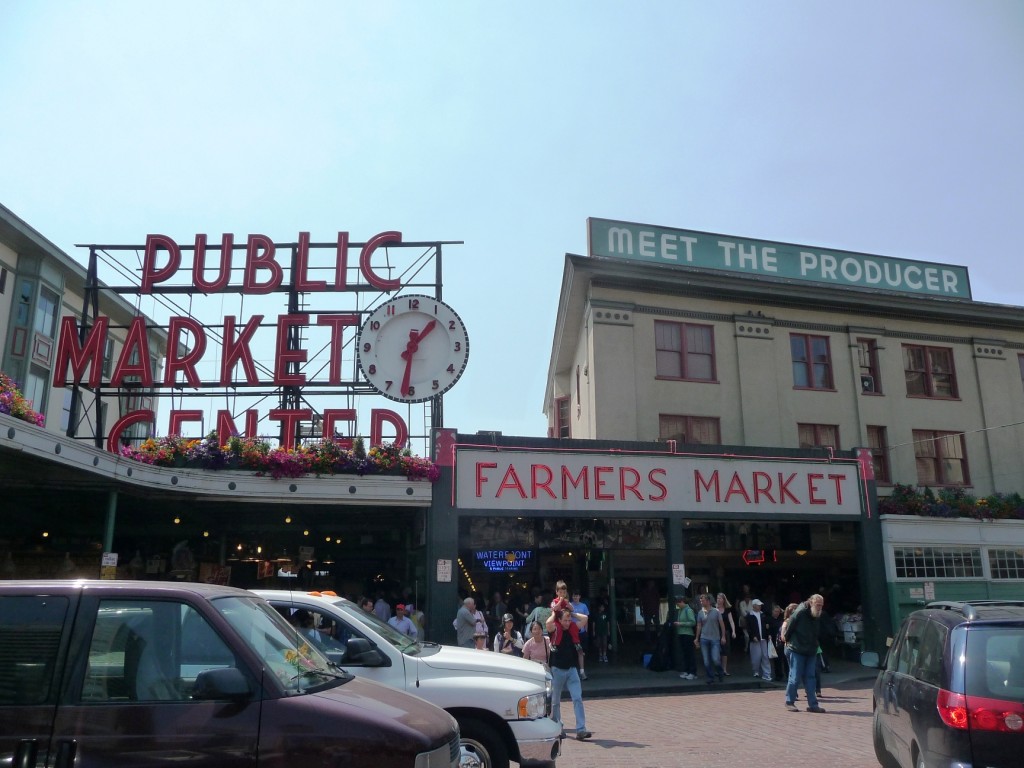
{"points": [[412, 348]]}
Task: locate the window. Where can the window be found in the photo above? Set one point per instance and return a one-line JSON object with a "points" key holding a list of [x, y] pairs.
{"points": [[46, 313], [937, 562], [689, 429], [1006, 563], [930, 660], [812, 361], [941, 458], [684, 351], [929, 371], [879, 445], [30, 632], [867, 357], [562, 417], [65, 411], [35, 390], [108, 358], [818, 436]]}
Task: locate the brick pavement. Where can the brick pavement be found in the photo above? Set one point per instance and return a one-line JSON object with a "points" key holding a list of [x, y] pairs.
{"points": [[717, 730]]}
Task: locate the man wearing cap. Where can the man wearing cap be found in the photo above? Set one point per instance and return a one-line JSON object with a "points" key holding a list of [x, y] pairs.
{"points": [[760, 634], [403, 623]]}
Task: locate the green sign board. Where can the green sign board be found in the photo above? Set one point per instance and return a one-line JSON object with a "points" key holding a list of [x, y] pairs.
{"points": [[705, 250]]}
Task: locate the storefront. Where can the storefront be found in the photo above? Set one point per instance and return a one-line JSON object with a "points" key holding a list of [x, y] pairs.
{"points": [[520, 513]]}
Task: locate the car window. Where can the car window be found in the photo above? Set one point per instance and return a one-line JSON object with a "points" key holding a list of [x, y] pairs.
{"points": [[30, 632], [910, 648], [995, 663], [930, 659], [148, 650]]}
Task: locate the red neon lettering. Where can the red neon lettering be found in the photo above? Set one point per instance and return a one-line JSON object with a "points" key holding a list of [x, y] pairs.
{"points": [[336, 324], [285, 355], [90, 353], [536, 484], [511, 481], [177, 418], [226, 425], [331, 417], [581, 479], [657, 484], [186, 363], [784, 489], [709, 484], [480, 479], [378, 282], [236, 350], [299, 275], [136, 342], [630, 486], [259, 254], [812, 488], [135, 417], [150, 274], [762, 487], [600, 483], [380, 416], [341, 263], [838, 479], [289, 418], [199, 264], [736, 486]]}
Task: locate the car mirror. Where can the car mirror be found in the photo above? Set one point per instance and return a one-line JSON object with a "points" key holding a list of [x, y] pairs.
{"points": [[869, 659], [359, 651], [224, 683]]}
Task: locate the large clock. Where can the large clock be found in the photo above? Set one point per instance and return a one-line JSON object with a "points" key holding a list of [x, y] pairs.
{"points": [[412, 348]]}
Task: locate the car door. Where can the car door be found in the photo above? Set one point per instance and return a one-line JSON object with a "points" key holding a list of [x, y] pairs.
{"points": [[33, 641], [928, 673], [128, 698], [901, 691]]}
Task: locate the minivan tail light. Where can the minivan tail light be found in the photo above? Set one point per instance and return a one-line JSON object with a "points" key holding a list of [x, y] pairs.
{"points": [[952, 709], [980, 713]]}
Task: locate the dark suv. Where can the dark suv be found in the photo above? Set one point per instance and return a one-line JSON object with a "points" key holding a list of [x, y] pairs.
{"points": [[952, 689]]}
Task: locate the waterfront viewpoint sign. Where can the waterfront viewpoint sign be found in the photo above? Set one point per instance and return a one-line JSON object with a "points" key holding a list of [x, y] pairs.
{"points": [[556, 481], [705, 250]]}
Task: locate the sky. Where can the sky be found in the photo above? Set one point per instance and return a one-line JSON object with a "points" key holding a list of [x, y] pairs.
{"points": [[886, 128]]}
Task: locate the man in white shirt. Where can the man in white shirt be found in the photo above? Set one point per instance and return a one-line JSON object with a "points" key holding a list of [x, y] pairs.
{"points": [[756, 625], [403, 623]]}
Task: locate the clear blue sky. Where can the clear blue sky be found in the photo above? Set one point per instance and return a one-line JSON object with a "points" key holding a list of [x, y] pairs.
{"points": [[878, 127]]}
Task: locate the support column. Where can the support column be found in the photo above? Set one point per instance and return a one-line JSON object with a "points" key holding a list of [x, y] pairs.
{"points": [[108, 529]]}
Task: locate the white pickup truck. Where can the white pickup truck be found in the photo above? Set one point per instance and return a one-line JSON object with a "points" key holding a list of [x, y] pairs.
{"points": [[501, 703]]}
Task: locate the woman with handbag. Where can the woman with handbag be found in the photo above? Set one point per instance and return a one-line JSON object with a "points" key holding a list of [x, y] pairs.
{"points": [[538, 647]]}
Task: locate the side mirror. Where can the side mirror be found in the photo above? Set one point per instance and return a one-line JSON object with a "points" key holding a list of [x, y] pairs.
{"points": [[869, 659], [224, 683], [359, 651]]}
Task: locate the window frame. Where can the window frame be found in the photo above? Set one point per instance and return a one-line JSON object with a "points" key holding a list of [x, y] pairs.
{"points": [[938, 438], [880, 453], [562, 420], [817, 430], [809, 364], [684, 353], [689, 430], [927, 372], [867, 359]]}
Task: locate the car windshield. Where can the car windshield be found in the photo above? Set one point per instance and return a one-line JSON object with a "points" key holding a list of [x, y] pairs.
{"points": [[995, 662], [298, 666], [402, 642]]}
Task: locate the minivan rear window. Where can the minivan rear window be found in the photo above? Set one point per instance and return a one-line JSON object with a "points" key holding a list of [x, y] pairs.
{"points": [[995, 663]]}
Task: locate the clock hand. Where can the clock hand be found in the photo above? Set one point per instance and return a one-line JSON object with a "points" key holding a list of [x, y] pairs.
{"points": [[410, 349]]}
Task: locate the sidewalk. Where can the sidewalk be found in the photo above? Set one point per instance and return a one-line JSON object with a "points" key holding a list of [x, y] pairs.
{"points": [[620, 679]]}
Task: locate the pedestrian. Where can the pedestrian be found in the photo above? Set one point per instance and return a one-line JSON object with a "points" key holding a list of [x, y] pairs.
{"points": [[465, 623], [801, 636], [710, 638], [743, 606], [366, 603], [508, 640], [725, 608], [538, 646], [402, 622], [541, 611], [602, 629], [685, 624], [581, 609], [650, 609], [382, 608], [758, 630], [479, 630], [564, 672], [787, 654]]}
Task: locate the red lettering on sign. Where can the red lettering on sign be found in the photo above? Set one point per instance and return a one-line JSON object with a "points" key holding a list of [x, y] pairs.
{"points": [[511, 481], [812, 489], [600, 482], [736, 487], [763, 487], [480, 479], [536, 484], [580, 479], [632, 485], [660, 486], [784, 489]]}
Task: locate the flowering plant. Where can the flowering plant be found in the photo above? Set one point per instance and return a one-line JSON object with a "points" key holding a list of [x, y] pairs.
{"points": [[15, 404], [327, 457], [951, 502]]}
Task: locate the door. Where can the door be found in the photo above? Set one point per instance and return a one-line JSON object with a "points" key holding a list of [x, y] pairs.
{"points": [[31, 653], [128, 696]]}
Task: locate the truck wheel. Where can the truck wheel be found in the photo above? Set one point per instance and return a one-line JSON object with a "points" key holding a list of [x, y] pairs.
{"points": [[482, 747]]}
